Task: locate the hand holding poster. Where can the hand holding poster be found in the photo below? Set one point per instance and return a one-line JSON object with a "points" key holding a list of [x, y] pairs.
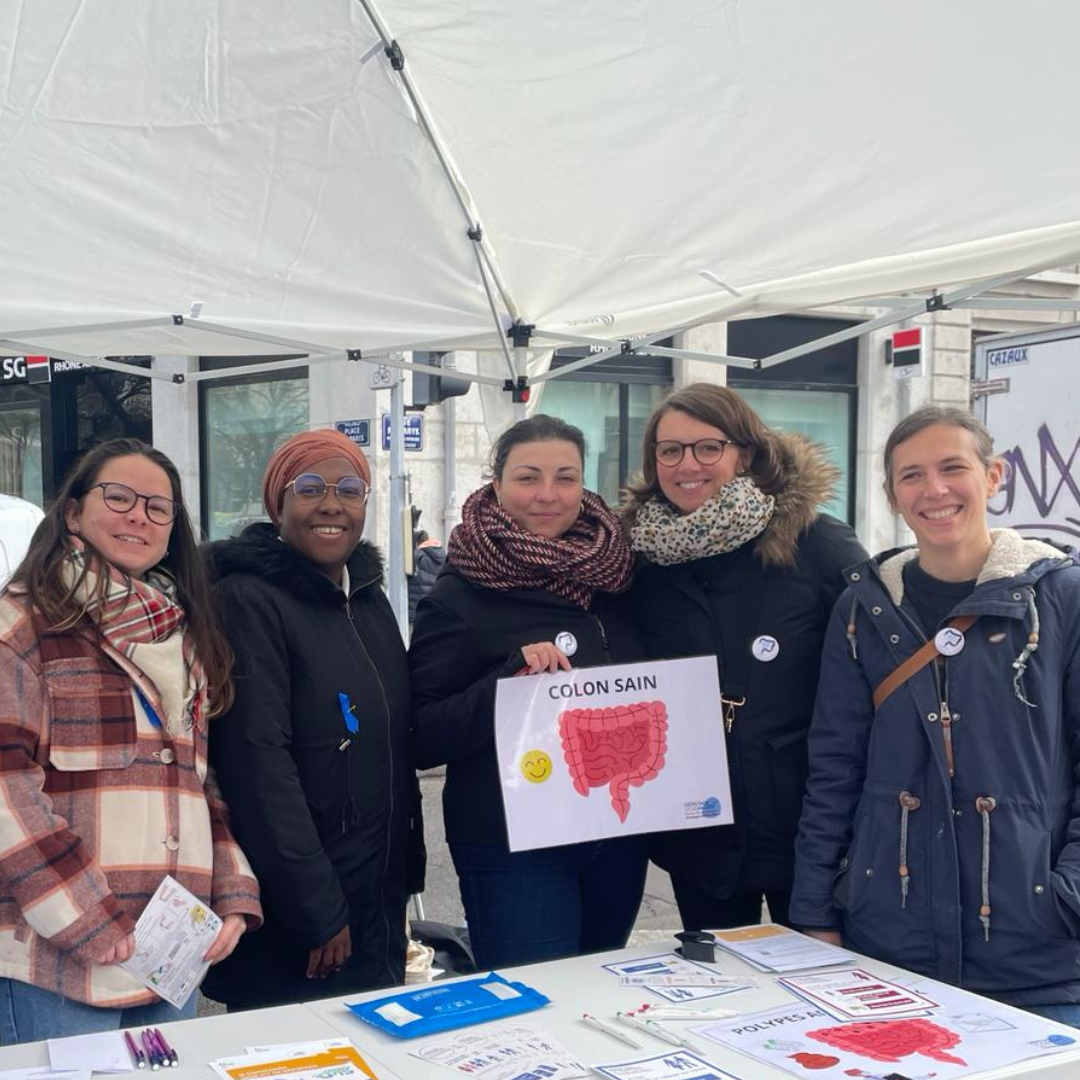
{"points": [[611, 751]]}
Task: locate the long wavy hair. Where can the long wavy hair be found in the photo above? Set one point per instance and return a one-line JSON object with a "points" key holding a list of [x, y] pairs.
{"points": [[41, 573], [720, 408]]}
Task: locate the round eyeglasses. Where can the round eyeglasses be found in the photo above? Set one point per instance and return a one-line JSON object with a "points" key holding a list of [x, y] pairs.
{"points": [[349, 489], [120, 499], [669, 453]]}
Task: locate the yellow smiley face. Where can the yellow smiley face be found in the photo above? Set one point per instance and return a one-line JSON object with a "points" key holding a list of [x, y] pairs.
{"points": [[535, 766]]}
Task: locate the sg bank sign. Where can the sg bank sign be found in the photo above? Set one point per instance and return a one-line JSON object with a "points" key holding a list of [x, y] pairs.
{"points": [[30, 369]]}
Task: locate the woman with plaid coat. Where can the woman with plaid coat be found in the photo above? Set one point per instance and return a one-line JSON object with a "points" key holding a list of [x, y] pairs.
{"points": [[110, 667]]}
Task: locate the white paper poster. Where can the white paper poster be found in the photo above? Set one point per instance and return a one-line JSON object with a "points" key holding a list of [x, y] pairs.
{"points": [[611, 751]]}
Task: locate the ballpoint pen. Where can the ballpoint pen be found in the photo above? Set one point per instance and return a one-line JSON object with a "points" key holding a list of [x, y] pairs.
{"points": [[151, 1050], [609, 1030], [649, 1028], [174, 1058], [136, 1054], [163, 1053]]}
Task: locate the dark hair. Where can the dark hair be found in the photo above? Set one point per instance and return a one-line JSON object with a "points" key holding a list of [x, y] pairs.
{"points": [[720, 408], [41, 572], [538, 428], [928, 416]]}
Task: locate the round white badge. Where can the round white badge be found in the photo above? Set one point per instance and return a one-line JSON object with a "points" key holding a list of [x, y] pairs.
{"points": [[567, 642], [949, 641], [765, 648]]}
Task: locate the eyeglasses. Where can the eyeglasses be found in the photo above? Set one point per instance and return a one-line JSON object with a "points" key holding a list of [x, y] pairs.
{"points": [[706, 451], [120, 499], [349, 489]]}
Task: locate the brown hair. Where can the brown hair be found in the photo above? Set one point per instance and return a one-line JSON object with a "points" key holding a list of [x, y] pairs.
{"points": [[720, 408], [928, 416], [41, 572], [538, 428]]}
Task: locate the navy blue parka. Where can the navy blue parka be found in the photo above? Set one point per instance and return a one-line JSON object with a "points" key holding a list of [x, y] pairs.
{"points": [[991, 854]]}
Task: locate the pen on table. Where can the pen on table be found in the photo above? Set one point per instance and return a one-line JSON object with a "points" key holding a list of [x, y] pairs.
{"points": [[609, 1030], [174, 1057], [648, 1027], [151, 1050], [136, 1054], [163, 1053]]}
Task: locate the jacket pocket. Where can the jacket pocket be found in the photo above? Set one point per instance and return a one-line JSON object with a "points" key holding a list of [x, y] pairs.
{"points": [[92, 715]]}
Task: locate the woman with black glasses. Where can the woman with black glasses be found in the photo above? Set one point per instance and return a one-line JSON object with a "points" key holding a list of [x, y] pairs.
{"points": [[314, 754], [737, 562]]}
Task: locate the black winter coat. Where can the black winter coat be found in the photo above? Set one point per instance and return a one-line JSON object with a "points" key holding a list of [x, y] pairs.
{"points": [[784, 585], [468, 637], [323, 814]]}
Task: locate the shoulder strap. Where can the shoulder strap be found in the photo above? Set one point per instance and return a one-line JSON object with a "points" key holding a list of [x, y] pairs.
{"points": [[916, 662]]}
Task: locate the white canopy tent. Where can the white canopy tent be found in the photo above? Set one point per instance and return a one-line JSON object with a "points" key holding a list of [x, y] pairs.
{"points": [[367, 176]]}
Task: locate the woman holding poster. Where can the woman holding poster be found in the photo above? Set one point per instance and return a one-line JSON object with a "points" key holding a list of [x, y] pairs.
{"points": [[529, 585], [941, 830], [737, 562]]}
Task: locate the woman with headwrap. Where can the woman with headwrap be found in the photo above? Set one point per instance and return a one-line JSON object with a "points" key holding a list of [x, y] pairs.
{"points": [[314, 754]]}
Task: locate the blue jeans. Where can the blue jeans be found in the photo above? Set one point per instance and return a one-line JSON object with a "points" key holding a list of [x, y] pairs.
{"points": [[28, 1013], [527, 906], [1063, 1014]]}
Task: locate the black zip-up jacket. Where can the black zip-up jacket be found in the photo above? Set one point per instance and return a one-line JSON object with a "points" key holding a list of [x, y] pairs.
{"points": [[468, 637], [322, 813]]}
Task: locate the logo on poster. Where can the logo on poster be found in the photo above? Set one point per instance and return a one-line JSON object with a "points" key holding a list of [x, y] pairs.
{"points": [[702, 808]]}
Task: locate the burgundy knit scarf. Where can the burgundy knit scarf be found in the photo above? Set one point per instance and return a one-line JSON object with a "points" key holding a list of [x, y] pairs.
{"points": [[492, 550]]}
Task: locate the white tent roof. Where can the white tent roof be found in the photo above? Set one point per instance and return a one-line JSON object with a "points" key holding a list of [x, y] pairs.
{"points": [[632, 166]]}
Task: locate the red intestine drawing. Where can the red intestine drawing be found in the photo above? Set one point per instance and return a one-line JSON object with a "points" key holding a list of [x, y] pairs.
{"points": [[891, 1040], [620, 747]]}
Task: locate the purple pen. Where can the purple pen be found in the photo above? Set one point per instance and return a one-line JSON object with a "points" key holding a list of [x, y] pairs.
{"points": [[150, 1047], [170, 1053], [136, 1054]]}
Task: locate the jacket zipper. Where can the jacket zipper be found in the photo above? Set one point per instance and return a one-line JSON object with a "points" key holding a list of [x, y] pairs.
{"points": [[603, 637], [390, 751], [940, 676]]}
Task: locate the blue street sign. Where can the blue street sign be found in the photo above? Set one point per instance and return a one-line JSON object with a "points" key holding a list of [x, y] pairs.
{"points": [[357, 430], [414, 431]]}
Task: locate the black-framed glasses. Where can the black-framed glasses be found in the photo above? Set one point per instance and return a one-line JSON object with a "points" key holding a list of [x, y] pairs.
{"points": [[120, 499], [669, 453], [311, 486]]}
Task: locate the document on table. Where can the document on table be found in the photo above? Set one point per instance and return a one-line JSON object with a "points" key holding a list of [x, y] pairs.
{"points": [[854, 994], [43, 1072], [676, 979], [297, 1061], [171, 939], [505, 1052], [776, 948], [102, 1051], [674, 1065]]}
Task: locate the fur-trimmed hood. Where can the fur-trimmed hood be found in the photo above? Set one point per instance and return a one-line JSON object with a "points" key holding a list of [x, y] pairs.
{"points": [[259, 550], [812, 480], [1010, 556]]}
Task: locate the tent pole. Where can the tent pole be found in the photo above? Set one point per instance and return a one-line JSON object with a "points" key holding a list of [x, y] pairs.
{"points": [[397, 586]]}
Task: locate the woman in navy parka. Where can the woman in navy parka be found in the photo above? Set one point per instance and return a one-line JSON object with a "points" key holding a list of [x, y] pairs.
{"points": [[941, 831]]}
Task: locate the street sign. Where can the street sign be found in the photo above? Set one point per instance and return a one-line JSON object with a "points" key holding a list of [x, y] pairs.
{"points": [[414, 431], [357, 430]]}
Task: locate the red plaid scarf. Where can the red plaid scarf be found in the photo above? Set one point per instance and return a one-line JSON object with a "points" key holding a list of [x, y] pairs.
{"points": [[492, 550], [134, 613]]}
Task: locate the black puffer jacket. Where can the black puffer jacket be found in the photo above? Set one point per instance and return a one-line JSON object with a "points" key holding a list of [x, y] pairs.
{"points": [[467, 638], [783, 585], [323, 814]]}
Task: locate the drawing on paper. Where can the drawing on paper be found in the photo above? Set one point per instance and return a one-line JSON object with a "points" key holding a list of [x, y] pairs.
{"points": [[815, 1061], [621, 747], [975, 1022], [892, 1040]]}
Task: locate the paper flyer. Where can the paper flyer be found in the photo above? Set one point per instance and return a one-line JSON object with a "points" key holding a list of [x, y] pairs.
{"points": [[674, 1065], [171, 939], [676, 979], [776, 948]]}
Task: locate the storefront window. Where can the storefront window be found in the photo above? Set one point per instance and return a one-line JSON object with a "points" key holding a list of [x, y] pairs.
{"points": [[20, 453], [243, 423], [821, 415]]}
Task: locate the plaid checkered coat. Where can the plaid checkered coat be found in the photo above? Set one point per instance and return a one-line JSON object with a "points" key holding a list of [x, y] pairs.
{"points": [[96, 806]]}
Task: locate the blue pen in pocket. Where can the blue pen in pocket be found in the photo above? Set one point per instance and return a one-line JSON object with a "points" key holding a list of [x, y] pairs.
{"points": [[352, 725]]}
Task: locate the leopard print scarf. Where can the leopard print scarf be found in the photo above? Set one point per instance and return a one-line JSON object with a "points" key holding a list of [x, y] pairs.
{"points": [[737, 514]]}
